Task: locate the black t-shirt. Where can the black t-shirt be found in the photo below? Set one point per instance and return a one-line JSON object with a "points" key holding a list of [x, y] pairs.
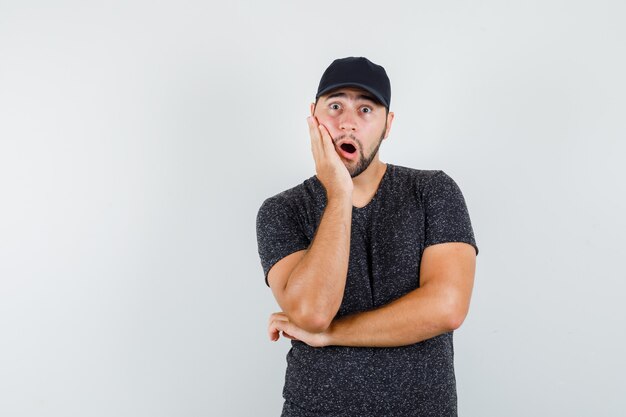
{"points": [[412, 209]]}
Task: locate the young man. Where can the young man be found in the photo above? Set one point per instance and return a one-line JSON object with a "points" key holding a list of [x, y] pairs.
{"points": [[371, 263]]}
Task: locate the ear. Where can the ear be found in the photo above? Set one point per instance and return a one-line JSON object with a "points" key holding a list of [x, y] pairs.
{"points": [[312, 107], [390, 117]]}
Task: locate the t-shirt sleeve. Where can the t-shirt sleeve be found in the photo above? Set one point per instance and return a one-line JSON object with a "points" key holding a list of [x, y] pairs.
{"points": [[278, 233], [447, 217]]}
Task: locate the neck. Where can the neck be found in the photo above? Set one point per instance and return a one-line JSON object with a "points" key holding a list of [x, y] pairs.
{"points": [[366, 184]]}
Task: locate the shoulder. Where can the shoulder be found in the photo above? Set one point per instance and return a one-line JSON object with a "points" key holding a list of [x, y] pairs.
{"points": [[425, 183], [420, 178]]}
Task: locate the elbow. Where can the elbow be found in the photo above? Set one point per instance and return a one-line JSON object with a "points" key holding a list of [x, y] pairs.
{"points": [[310, 313], [311, 322], [454, 321], [454, 315], [310, 316], [317, 326]]}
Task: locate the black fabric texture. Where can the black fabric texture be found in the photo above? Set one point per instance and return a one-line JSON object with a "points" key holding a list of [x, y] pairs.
{"points": [[411, 210]]}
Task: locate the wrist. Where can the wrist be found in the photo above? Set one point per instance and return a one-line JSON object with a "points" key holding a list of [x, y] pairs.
{"points": [[340, 196], [330, 335]]}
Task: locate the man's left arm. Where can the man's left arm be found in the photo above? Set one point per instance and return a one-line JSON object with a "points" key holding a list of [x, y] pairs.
{"points": [[438, 306]]}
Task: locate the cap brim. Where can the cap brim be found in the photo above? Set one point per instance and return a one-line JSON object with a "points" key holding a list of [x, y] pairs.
{"points": [[364, 87]]}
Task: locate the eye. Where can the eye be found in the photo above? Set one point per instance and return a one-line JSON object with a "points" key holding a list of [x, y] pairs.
{"points": [[367, 110], [334, 106]]}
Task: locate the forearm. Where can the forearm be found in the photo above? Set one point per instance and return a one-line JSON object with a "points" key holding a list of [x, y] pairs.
{"points": [[317, 283], [419, 315]]}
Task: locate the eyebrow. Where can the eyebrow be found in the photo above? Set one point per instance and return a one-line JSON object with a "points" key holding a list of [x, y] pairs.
{"points": [[360, 96]]}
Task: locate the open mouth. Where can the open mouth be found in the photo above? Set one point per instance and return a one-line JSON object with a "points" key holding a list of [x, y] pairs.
{"points": [[348, 148]]}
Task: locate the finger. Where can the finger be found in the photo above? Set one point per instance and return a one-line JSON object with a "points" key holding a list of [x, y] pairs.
{"points": [[311, 121], [286, 327], [319, 140], [275, 321], [279, 315], [320, 137], [327, 140], [274, 330], [315, 135], [288, 336], [273, 333]]}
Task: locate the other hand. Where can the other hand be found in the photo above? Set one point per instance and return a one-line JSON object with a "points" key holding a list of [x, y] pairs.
{"points": [[280, 322]]}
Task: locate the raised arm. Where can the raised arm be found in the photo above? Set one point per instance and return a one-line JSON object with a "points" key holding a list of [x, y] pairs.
{"points": [[309, 286], [311, 293]]}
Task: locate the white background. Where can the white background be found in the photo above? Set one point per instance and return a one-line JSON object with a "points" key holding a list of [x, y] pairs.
{"points": [[138, 140]]}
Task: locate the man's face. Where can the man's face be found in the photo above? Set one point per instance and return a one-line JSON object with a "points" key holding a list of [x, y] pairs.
{"points": [[353, 114]]}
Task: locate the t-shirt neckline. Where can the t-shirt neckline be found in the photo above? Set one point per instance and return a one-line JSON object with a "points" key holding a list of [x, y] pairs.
{"points": [[377, 193]]}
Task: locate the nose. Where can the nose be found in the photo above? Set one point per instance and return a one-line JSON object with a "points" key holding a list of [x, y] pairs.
{"points": [[348, 121]]}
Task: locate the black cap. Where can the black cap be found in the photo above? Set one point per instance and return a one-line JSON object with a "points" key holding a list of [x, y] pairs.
{"points": [[356, 72]]}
